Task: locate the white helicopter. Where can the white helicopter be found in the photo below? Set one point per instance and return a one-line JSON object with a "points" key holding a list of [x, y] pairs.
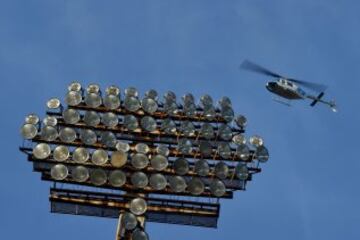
{"points": [[289, 88]]}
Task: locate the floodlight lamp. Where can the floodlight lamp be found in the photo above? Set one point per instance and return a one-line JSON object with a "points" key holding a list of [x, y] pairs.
{"points": [[170, 96], [243, 152], [139, 160], [80, 174], [158, 181], [188, 99], [131, 122], [112, 90], [206, 100], [177, 184], [41, 151], [162, 150], [221, 170], [187, 128], [184, 146], [256, 141], [139, 180], [53, 103], [131, 104], [262, 154], [149, 105], [32, 119], [241, 171], [88, 136], [227, 113], [202, 167], [118, 158], [224, 150], [91, 118], [205, 148], [168, 126], [240, 121], [71, 116], [73, 98], [59, 172], [50, 121], [196, 186], [148, 123], [159, 162], [139, 234], [67, 134], [131, 92], [110, 119], [80, 155], [93, 88], [138, 206], [112, 101], [225, 132], [122, 146], [209, 112], [190, 110], [181, 166], [225, 102], [152, 94], [129, 220], [217, 188], [171, 108], [99, 157], [239, 139], [142, 148], [93, 100], [108, 139], [98, 177], [207, 131], [28, 131], [74, 86], [117, 178], [48, 133], [61, 153]]}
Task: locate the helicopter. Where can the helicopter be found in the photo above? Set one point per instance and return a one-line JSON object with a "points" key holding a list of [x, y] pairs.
{"points": [[289, 88]]}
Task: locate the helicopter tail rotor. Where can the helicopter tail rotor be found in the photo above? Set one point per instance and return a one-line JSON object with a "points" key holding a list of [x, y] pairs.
{"points": [[317, 99]]}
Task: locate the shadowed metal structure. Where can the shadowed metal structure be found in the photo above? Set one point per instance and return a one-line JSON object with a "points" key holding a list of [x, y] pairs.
{"points": [[141, 160]]}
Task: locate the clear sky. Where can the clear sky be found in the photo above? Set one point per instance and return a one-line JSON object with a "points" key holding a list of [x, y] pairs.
{"points": [[309, 189]]}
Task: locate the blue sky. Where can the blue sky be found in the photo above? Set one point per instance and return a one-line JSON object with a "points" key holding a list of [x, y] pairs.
{"points": [[307, 190]]}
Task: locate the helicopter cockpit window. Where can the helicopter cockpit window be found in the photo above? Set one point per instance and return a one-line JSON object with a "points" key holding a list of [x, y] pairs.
{"points": [[290, 84]]}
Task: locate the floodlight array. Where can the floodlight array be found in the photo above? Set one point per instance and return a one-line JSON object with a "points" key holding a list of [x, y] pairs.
{"points": [[143, 145]]}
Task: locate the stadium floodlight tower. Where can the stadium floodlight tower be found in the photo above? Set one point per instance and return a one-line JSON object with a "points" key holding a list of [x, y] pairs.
{"points": [[136, 159]]}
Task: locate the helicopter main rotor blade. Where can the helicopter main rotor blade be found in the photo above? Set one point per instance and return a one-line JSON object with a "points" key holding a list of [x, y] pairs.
{"points": [[250, 66], [314, 86]]}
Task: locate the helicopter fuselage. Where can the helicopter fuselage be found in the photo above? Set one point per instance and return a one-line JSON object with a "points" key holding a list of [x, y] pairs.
{"points": [[286, 89]]}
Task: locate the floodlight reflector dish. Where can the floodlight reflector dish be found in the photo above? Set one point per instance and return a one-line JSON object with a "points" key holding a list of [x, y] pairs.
{"points": [[187, 128], [74, 86], [206, 100], [181, 166], [184, 146], [148, 123], [122, 146], [93, 88], [108, 139], [80, 155], [243, 152], [131, 92], [227, 113], [188, 98], [48, 133], [98, 177], [159, 162], [80, 173], [170, 96], [256, 141], [207, 131], [225, 132], [112, 90], [239, 139], [112, 101], [224, 150], [129, 220], [91, 118], [71, 116], [117, 178], [196, 186], [142, 148], [225, 102], [67, 134], [139, 179], [205, 148], [61, 153], [131, 122], [88, 136], [209, 112], [190, 110], [221, 170], [50, 121], [138, 206], [118, 158], [28, 131], [158, 181], [262, 154], [99, 157], [110, 119], [177, 184], [162, 150], [131, 104], [59, 172], [32, 119], [241, 171], [241, 121], [202, 167], [168, 126], [53, 103], [73, 98], [139, 160], [149, 105], [41, 151], [217, 188], [139, 234], [170, 107], [93, 100]]}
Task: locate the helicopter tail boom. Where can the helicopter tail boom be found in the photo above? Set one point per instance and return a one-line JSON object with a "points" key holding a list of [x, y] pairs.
{"points": [[317, 99]]}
